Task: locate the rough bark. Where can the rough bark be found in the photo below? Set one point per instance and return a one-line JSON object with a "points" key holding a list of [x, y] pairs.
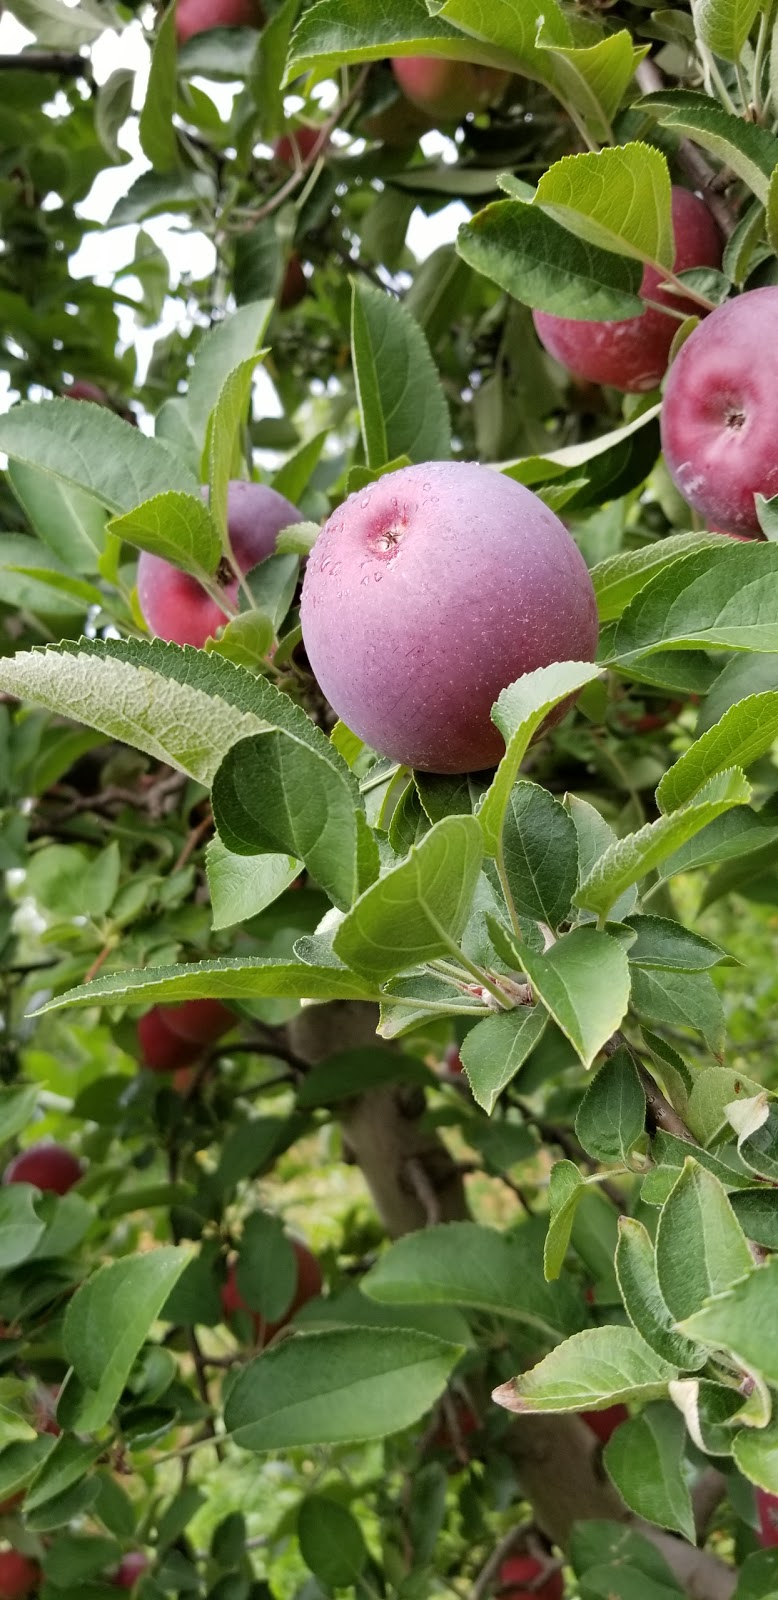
{"points": [[413, 1181]]}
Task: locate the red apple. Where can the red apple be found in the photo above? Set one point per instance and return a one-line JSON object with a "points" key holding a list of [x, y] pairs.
{"points": [[47, 1166], [604, 1423], [448, 90], [19, 1576], [308, 1286], [767, 1508], [453, 1060], [427, 593], [161, 1050], [297, 145], [518, 1573], [199, 16], [200, 1021], [82, 390], [174, 605], [130, 1569], [720, 412], [633, 355]]}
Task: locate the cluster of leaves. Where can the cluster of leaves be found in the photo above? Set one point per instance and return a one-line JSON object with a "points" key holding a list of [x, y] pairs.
{"points": [[531, 921]]}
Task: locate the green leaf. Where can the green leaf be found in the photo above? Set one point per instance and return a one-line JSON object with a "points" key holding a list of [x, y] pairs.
{"points": [[178, 527], [747, 148], [643, 1300], [241, 887], [583, 980], [710, 598], [88, 447], [156, 131], [67, 1464], [612, 1115], [224, 448], [724, 25], [466, 1264], [20, 1461], [745, 732], [240, 978], [594, 77], [267, 1266], [589, 1372], [595, 836], [619, 578], [331, 1541], [713, 1092], [700, 1245], [758, 1578], [496, 1048], [645, 1460], [220, 351], [17, 1106], [419, 909], [403, 409], [71, 523], [337, 31], [757, 1212], [61, 27], [510, 28], [351, 1072], [631, 858], [518, 713], [281, 793], [756, 1453], [343, 1386], [617, 199], [565, 1188], [535, 259], [107, 1321], [180, 706], [741, 1320], [21, 1228], [540, 854], [681, 999], [661, 942]]}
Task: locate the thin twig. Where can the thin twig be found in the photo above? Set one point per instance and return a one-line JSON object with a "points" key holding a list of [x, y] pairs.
{"points": [[65, 64], [485, 1581], [193, 838], [419, 1180], [308, 162]]}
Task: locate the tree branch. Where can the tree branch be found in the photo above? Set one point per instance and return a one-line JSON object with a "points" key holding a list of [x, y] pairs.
{"points": [[65, 64], [691, 159]]}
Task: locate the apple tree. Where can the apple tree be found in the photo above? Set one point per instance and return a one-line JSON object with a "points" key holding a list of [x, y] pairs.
{"points": [[388, 698]]}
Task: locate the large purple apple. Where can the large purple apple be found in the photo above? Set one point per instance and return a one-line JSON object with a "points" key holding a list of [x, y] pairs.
{"points": [[720, 412], [174, 605], [632, 355], [426, 594]]}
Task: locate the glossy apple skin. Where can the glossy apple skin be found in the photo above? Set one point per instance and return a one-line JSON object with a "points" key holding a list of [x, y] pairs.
{"points": [[201, 1021], [605, 1423], [720, 412], [199, 16], [426, 594], [633, 355], [308, 1286], [518, 1572], [130, 1569], [18, 1575], [48, 1166], [448, 90], [174, 605], [162, 1050]]}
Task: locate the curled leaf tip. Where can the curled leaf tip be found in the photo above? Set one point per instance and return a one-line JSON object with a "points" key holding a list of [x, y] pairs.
{"points": [[507, 1395]]}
